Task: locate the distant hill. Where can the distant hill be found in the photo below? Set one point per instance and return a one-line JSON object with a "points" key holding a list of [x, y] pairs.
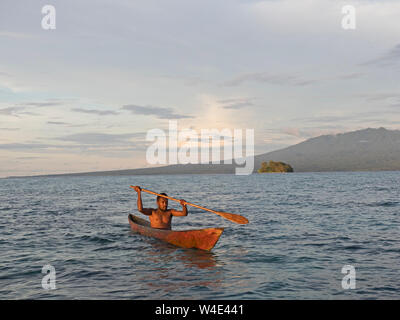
{"points": [[362, 150]]}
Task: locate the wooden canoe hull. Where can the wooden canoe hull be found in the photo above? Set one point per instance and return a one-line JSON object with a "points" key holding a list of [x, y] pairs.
{"points": [[204, 239]]}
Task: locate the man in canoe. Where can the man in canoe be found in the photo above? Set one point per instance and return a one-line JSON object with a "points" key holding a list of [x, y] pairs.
{"points": [[161, 217]]}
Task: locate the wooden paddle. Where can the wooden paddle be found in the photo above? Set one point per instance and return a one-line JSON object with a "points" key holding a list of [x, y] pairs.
{"points": [[230, 216]]}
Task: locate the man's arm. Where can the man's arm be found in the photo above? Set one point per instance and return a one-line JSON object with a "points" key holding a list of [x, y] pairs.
{"points": [[182, 213], [145, 211]]}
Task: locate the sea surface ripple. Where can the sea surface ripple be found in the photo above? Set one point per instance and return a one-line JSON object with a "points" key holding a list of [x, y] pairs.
{"points": [[304, 227]]}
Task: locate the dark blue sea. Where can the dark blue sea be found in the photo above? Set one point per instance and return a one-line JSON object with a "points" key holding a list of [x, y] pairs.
{"points": [[304, 227]]}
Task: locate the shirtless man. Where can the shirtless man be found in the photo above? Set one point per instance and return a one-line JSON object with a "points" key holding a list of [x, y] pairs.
{"points": [[161, 217]]}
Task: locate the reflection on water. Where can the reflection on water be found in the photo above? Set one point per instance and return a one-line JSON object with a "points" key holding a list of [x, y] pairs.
{"points": [[199, 259], [171, 269], [191, 257]]}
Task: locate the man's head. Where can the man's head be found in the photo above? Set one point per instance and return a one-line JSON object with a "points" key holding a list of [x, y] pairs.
{"points": [[162, 202]]}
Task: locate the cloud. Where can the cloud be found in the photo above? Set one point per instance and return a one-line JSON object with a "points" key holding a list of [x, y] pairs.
{"points": [[29, 158], [20, 108], [102, 150], [16, 111], [327, 118], [43, 104], [306, 133], [85, 142], [391, 58], [24, 146], [61, 123], [193, 81], [11, 111], [159, 112], [58, 123], [97, 112], [352, 119], [385, 99], [353, 75], [236, 103], [345, 117], [265, 77], [10, 129], [292, 132], [381, 96], [95, 138]]}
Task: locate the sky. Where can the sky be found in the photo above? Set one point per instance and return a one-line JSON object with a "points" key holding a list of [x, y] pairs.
{"points": [[82, 97]]}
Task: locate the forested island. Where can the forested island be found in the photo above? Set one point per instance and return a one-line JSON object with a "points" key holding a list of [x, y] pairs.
{"points": [[273, 166]]}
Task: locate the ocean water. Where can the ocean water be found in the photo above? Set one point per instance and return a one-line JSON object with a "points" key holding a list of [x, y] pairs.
{"points": [[304, 227]]}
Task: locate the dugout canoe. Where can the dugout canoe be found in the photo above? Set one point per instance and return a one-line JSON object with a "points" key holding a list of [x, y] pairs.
{"points": [[204, 239]]}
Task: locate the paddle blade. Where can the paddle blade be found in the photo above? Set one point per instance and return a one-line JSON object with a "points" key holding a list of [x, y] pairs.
{"points": [[233, 217]]}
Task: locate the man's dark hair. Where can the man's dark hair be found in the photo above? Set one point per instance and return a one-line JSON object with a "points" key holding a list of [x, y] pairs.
{"points": [[164, 194]]}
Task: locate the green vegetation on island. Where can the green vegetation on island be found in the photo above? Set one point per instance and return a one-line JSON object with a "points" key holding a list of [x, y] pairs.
{"points": [[273, 166]]}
